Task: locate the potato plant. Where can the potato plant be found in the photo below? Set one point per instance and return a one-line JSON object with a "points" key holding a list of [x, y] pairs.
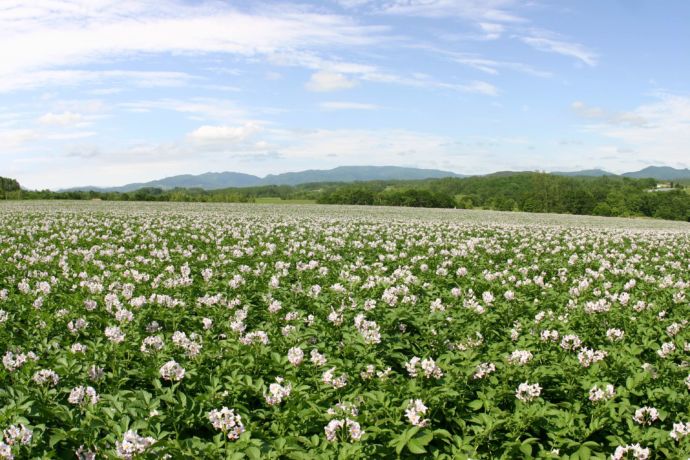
{"points": [[306, 332]]}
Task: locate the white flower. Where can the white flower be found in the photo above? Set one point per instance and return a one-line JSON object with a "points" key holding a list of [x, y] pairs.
{"points": [[369, 330], [549, 335], [277, 392], [637, 451], [295, 356], [428, 365], [114, 334], [680, 430], [520, 357], [666, 349], [646, 415], [587, 356], [46, 376], [255, 337], [483, 370], [571, 342], [172, 371], [415, 412], [317, 358], [336, 382], [353, 428], [528, 392], [81, 394], [597, 394], [17, 434], [615, 335], [152, 343], [132, 444], [227, 421]]}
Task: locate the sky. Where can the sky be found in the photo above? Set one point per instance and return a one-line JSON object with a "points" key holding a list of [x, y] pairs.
{"points": [[108, 92]]}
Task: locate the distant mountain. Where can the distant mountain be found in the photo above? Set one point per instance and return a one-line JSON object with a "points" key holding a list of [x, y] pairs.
{"points": [[355, 173], [212, 181], [584, 172], [659, 173], [219, 180]]}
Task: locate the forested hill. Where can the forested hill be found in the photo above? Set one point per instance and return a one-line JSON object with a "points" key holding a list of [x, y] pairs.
{"points": [[8, 186], [530, 192]]}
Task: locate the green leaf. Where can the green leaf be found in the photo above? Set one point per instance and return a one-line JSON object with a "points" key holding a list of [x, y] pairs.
{"points": [[254, 453], [476, 404], [526, 449], [415, 447]]}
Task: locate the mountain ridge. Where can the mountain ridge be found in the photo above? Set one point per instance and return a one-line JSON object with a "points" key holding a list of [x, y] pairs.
{"points": [[228, 179], [231, 179]]}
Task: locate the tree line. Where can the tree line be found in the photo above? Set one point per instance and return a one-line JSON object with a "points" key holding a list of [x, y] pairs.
{"points": [[529, 192]]}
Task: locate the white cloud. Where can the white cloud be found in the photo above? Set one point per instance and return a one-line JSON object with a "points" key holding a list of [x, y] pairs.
{"points": [[323, 81], [479, 87], [340, 105], [479, 10], [550, 43], [61, 119], [493, 67], [197, 108], [224, 134], [652, 133], [45, 78], [11, 139], [46, 34], [610, 117], [492, 30]]}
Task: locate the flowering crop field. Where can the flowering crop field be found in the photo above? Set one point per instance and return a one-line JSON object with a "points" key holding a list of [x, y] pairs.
{"points": [[181, 331]]}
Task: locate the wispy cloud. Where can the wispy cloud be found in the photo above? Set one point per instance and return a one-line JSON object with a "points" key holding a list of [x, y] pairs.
{"points": [[197, 108], [341, 105], [658, 131], [607, 116], [479, 10], [61, 119], [47, 78], [552, 43], [224, 134], [323, 81], [57, 34]]}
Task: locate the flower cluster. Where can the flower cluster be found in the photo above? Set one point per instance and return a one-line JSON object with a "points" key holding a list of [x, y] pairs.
{"points": [[172, 371], [13, 361], [353, 430], [587, 356], [415, 412], [427, 366], [227, 421], [277, 392], [646, 415], [527, 392], [83, 395], [132, 444], [483, 370], [638, 452], [597, 394], [46, 377], [520, 357], [369, 330], [680, 430], [329, 378]]}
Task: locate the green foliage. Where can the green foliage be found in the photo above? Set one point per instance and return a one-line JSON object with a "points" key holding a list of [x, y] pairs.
{"points": [[461, 294], [528, 192]]}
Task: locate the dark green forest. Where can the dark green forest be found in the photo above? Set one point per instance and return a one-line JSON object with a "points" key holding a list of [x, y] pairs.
{"points": [[529, 192]]}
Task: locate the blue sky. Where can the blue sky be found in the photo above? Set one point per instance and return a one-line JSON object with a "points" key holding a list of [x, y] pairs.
{"points": [[106, 92]]}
